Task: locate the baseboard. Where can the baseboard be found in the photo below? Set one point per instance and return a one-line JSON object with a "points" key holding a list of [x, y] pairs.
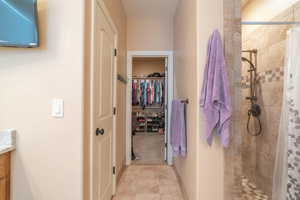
{"points": [[121, 173], [183, 190]]}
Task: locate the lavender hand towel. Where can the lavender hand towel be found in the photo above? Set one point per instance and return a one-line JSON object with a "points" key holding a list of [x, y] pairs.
{"points": [[178, 128], [215, 98]]}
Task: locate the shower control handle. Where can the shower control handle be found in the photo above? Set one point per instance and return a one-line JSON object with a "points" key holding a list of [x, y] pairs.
{"points": [[251, 98], [255, 110]]}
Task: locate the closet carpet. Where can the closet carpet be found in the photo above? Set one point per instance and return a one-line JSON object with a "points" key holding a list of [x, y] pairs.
{"points": [[149, 148], [148, 182]]}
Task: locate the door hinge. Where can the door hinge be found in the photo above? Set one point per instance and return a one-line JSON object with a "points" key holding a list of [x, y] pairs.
{"points": [[114, 170], [166, 145], [115, 111], [116, 52]]}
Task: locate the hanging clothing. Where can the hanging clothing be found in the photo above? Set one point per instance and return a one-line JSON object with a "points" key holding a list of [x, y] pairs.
{"points": [[215, 98], [152, 92], [134, 86], [157, 92], [178, 128], [286, 181], [147, 92]]}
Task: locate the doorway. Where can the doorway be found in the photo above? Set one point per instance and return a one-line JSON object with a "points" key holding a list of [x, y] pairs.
{"points": [[149, 97]]}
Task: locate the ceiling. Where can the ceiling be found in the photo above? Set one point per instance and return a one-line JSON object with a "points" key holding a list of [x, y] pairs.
{"points": [[150, 8]]}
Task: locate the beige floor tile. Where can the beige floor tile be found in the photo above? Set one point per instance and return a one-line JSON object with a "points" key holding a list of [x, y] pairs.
{"points": [[149, 147], [148, 182], [124, 197], [170, 197], [147, 196]]}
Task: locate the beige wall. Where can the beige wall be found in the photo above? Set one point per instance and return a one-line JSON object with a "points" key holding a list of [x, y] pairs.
{"points": [[202, 170], [48, 162], [185, 49], [49, 157], [146, 66], [117, 12], [211, 159], [150, 33]]}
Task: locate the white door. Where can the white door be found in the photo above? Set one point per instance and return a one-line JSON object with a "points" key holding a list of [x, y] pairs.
{"points": [[102, 107]]}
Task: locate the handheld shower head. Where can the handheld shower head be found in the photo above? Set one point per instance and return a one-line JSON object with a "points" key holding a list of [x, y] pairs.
{"points": [[248, 61], [255, 110]]}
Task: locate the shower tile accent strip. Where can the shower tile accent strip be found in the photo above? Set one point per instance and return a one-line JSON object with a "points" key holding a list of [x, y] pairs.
{"points": [[264, 77], [250, 191]]}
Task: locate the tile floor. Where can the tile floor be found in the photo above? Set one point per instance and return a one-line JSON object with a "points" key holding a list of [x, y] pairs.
{"points": [[148, 182], [149, 148], [251, 192]]}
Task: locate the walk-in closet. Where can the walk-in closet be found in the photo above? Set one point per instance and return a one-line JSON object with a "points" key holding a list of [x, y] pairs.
{"points": [[148, 110]]}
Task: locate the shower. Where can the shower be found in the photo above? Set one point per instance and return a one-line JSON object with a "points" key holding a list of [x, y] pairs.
{"points": [[254, 110]]}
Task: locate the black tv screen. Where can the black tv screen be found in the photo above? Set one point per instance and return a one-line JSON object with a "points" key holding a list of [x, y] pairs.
{"points": [[18, 23]]}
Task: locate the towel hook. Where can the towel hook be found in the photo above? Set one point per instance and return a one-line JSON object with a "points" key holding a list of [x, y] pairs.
{"points": [[186, 101]]}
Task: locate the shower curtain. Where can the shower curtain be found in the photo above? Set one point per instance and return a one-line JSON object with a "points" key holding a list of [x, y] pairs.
{"points": [[286, 181]]}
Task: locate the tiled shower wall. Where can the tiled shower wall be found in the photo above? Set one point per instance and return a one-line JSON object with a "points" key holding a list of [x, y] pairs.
{"points": [[258, 153], [232, 43]]}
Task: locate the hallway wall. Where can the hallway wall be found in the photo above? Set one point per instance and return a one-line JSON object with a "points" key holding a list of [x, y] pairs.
{"points": [[47, 164], [185, 86], [202, 171], [150, 24], [150, 33]]}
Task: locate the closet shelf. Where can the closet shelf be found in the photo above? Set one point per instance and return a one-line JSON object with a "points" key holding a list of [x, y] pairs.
{"points": [[148, 78]]}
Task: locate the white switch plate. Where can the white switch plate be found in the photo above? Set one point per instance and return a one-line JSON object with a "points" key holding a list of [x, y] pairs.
{"points": [[58, 108]]}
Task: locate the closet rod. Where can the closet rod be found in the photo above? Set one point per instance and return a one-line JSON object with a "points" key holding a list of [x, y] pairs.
{"points": [[122, 79], [140, 108]]}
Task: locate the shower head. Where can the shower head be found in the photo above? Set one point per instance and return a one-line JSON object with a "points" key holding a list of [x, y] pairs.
{"points": [[248, 61]]}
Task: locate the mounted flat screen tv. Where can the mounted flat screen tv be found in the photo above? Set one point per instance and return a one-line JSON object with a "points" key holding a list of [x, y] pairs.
{"points": [[18, 23]]}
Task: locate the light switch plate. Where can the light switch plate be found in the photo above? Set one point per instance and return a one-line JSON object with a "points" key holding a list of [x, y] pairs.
{"points": [[58, 108]]}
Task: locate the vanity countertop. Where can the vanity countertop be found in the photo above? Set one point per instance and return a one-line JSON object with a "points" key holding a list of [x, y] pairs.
{"points": [[7, 141]]}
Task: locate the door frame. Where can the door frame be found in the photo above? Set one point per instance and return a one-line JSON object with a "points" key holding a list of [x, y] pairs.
{"points": [[130, 56], [102, 6]]}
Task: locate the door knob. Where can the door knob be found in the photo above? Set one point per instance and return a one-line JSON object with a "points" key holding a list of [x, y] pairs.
{"points": [[99, 131]]}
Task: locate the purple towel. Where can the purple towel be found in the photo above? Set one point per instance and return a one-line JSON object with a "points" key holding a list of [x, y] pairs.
{"points": [[215, 98], [178, 128]]}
